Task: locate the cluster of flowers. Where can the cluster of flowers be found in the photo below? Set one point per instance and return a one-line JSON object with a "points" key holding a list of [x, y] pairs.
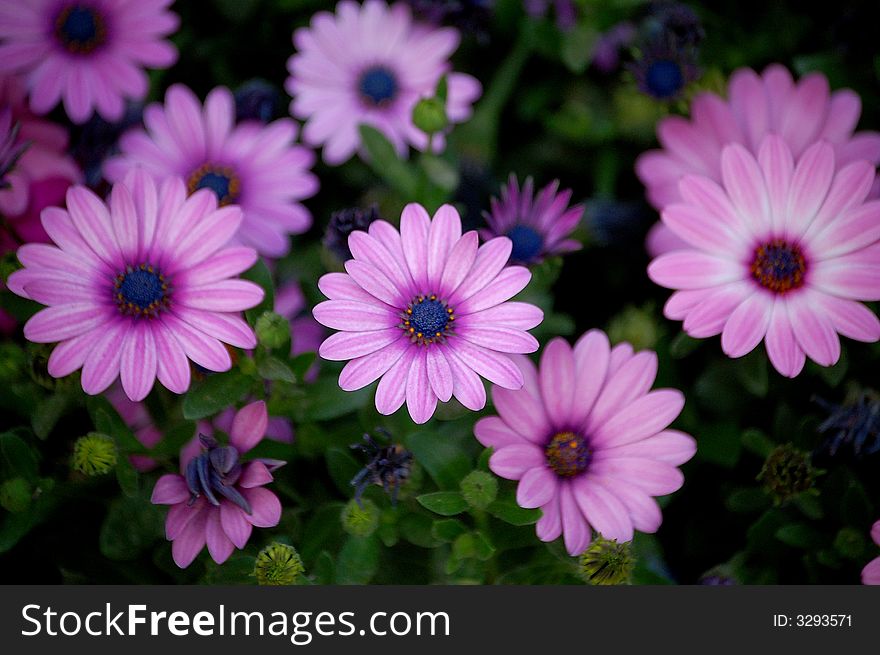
{"points": [[770, 232]]}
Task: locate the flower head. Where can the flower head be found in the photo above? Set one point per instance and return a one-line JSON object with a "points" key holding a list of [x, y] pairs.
{"points": [[218, 499], [387, 466], [256, 100], [786, 473], [427, 311], [607, 562], [854, 426], [88, 53], [254, 166], [871, 572], [664, 68], [278, 564], [370, 64], [538, 225], [588, 440], [801, 113], [137, 286], [779, 252], [94, 454]]}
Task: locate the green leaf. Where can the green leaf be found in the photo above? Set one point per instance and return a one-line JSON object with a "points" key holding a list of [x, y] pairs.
{"points": [[511, 513], [416, 529], [342, 467], [752, 372], [757, 443], [301, 364], [483, 462], [272, 368], [325, 569], [216, 393], [237, 570], [383, 159], [448, 529], [748, 500], [483, 548], [132, 525], [683, 345], [798, 535], [358, 560], [127, 477], [720, 444], [440, 172], [442, 458], [17, 458], [259, 273], [324, 400], [445, 503], [48, 413]]}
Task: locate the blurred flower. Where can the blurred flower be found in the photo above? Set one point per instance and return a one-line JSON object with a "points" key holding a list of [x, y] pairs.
{"points": [[306, 334], [10, 147], [137, 417], [42, 171], [801, 113], [871, 572], [277, 565], [86, 52], [256, 100], [566, 12], [278, 428], [256, 167], [94, 454], [786, 473], [98, 141], [588, 440], [853, 425], [387, 466], [663, 69], [675, 22], [469, 16], [616, 222], [537, 226], [360, 517], [344, 222], [370, 64], [138, 286], [606, 562], [426, 311], [479, 489], [606, 54], [781, 253], [217, 499]]}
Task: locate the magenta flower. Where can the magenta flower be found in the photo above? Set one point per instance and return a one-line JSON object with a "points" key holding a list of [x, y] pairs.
{"points": [[427, 311], [779, 252], [136, 287], [255, 166], [88, 53], [800, 113], [587, 440], [216, 499], [537, 226], [370, 64], [871, 572]]}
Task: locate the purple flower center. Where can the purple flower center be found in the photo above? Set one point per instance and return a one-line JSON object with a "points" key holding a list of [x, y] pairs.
{"points": [[568, 454], [222, 180], [377, 86], [427, 320], [214, 473], [141, 291], [80, 29], [664, 78], [779, 266], [527, 243]]}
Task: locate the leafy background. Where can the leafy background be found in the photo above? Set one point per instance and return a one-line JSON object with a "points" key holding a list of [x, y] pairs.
{"points": [[548, 114]]}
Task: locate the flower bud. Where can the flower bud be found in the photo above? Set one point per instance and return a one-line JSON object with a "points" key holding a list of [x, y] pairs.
{"points": [[606, 562], [273, 330], [94, 454], [429, 115], [480, 489], [277, 565], [787, 472], [360, 519]]}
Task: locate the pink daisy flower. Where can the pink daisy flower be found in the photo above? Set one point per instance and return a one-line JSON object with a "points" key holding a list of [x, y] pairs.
{"points": [[216, 499], [255, 166], [780, 252], [41, 175], [537, 226], [871, 572], [428, 312], [370, 64], [801, 113], [136, 287], [88, 53], [588, 440]]}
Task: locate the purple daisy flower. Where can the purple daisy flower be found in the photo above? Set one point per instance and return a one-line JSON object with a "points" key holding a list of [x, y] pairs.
{"points": [[537, 226], [87, 52], [255, 166], [427, 311], [871, 572], [588, 440], [217, 500], [370, 64], [137, 286]]}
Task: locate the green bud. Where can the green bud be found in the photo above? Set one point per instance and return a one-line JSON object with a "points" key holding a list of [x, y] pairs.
{"points": [[248, 366], [606, 562], [479, 488], [786, 473], [94, 454], [360, 520], [635, 325], [8, 265], [15, 495], [273, 330], [12, 361], [850, 543], [278, 564], [429, 115]]}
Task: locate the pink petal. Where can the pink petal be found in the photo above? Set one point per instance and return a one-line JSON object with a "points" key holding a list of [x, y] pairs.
{"points": [[170, 489], [365, 370], [137, 365], [339, 286], [349, 345], [506, 284], [512, 462], [809, 186], [493, 366], [235, 524], [172, 366], [777, 165], [63, 322], [815, 333], [421, 401], [670, 446], [549, 526], [525, 414], [653, 477], [632, 380], [265, 506], [492, 431], [747, 325], [500, 339], [219, 545], [415, 225], [223, 296], [467, 386], [204, 350], [700, 231], [575, 529], [254, 474], [642, 508], [537, 487], [228, 328], [355, 316], [101, 366], [557, 380], [190, 541], [592, 353], [491, 258], [374, 282], [249, 426], [871, 572], [642, 418], [512, 314], [69, 355], [851, 319], [445, 231], [458, 263], [439, 373], [691, 269], [608, 516], [391, 392], [782, 348], [745, 185]]}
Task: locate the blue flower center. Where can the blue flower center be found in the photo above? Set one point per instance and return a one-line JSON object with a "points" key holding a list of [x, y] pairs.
{"points": [[664, 78], [527, 243], [141, 291], [80, 29], [427, 320], [377, 86], [222, 180], [568, 454], [779, 266]]}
